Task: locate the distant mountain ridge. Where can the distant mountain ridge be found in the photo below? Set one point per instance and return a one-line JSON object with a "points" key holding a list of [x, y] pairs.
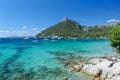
{"points": [[70, 28]]}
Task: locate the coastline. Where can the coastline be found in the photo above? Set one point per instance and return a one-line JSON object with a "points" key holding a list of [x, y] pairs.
{"points": [[98, 68], [56, 37]]}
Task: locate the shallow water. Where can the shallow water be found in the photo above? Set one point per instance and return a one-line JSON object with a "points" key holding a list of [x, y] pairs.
{"points": [[41, 59]]}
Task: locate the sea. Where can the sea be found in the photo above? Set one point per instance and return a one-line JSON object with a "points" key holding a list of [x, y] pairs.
{"points": [[42, 59]]}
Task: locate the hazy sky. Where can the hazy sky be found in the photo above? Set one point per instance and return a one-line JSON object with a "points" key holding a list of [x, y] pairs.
{"points": [[20, 16]]}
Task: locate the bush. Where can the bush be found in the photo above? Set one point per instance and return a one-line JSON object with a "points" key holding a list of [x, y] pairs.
{"points": [[114, 37]]}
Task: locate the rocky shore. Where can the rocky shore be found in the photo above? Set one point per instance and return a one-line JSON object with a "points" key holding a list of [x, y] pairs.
{"points": [[98, 68]]}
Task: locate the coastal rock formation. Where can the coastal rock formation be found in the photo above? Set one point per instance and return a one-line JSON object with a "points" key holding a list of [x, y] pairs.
{"points": [[100, 68]]}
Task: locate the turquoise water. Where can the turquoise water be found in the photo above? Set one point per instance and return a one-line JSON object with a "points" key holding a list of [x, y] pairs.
{"points": [[41, 59]]}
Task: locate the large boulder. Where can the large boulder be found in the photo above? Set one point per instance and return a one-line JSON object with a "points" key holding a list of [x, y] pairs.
{"points": [[104, 64], [116, 68], [90, 69], [94, 61], [117, 77]]}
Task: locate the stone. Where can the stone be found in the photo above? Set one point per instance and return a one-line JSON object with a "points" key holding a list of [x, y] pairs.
{"points": [[104, 64], [94, 61], [104, 75], [79, 67], [90, 69], [99, 72], [117, 77], [96, 78], [116, 68]]}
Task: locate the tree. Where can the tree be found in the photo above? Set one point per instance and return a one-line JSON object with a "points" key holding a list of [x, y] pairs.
{"points": [[114, 37]]}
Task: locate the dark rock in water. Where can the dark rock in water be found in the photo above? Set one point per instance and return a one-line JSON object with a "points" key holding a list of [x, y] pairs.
{"points": [[45, 72], [11, 59], [5, 71], [43, 68], [70, 56], [60, 53], [21, 49], [0, 54], [65, 79], [28, 44], [82, 51], [3, 47], [60, 59], [19, 69], [67, 64], [7, 62], [27, 75]]}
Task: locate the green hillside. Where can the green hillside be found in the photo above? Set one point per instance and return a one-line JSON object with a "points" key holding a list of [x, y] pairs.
{"points": [[97, 31], [70, 28]]}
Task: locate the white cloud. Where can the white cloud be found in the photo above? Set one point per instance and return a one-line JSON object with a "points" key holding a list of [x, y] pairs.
{"points": [[24, 27], [4, 31], [7, 33], [34, 29], [112, 20], [43, 28], [40, 30], [37, 31], [19, 31]]}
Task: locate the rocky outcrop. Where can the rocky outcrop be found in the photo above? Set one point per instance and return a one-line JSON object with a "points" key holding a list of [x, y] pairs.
{"points": [[100, 68]]}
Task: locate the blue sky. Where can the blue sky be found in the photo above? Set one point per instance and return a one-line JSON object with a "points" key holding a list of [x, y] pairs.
{"points": [[32, 16]]}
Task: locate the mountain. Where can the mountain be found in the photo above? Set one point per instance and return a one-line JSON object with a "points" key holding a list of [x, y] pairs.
{"points": [[64, 28], [70, 28]]}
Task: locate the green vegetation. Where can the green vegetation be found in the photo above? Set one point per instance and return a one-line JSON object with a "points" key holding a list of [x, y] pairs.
{"points": [[114, 37], [97, 31], [70, 28], [62, 29]]}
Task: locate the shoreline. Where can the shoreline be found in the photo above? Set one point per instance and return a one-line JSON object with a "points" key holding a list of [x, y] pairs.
{"points": [[98, 68], [72, 37]]}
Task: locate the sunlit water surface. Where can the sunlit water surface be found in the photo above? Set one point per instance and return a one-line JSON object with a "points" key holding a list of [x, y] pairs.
{"points": [[41, 59]]}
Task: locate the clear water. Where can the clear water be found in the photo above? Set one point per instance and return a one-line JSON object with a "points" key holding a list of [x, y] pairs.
{"points": [[41, 59]]}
